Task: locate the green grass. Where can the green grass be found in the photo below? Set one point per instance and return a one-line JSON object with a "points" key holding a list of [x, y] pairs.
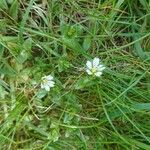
{"points": [[39, 38]]}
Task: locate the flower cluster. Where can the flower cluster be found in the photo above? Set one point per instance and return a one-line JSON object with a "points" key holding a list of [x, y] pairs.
{"points": [[93, 67]]}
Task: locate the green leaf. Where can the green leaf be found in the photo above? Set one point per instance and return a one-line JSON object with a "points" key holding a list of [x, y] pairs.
{"points": [[26, 51], [70, 31], [69, 38], [41, 93], [63, 64], [137, 45], [83, 82], [14, 9], [67, 118], [54, 135], [37, 129], [75, 47], [138, 49], [87, 43], [27, 45], [23, 56], [140, 106], [3, 4]]}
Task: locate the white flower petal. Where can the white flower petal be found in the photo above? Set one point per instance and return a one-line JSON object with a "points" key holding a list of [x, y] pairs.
{"points": [[49, 77], [42, 86], [89, 64], [100, 68], [47, 88], [98, 74], [51, 83], [88, 71], [96, 62]]}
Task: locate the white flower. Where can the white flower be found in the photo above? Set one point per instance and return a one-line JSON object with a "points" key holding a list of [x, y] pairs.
{"points": [[94, 67], [47, 82]]}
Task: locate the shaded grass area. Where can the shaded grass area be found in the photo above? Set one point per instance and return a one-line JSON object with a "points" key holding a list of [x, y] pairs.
{"points": [[39, 38]]}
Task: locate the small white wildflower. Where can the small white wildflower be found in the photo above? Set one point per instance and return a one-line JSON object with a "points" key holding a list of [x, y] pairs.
{"points": [[47, 82], [94, 67]]}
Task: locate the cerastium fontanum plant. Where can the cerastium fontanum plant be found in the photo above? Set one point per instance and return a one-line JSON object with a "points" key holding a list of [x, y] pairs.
{"points": [[74, 74]]}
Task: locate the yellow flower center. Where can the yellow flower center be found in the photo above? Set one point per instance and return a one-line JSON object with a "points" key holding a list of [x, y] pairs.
{"points": [[44, 81], [94, 70]]}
